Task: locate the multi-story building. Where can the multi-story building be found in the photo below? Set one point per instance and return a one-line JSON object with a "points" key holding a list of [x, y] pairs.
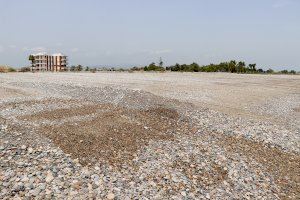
{"points": [[45, 62]]}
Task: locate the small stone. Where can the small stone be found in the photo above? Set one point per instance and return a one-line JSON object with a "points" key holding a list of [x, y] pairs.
{"points": [[110, 196], [42, 186], [23, 147], [49, 177], [152, 183], [30, 150], [207, 196], [73, 193], [36, 192], [25, 179], [175, 179], [48, 192], [76, 184]]}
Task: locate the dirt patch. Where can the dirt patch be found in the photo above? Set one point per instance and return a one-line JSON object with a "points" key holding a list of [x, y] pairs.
{"points": [[32, 103], [114, 135], [284, 167], [67, 113]]}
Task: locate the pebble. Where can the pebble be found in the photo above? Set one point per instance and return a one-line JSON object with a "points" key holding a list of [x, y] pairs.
{"points": [[110, 196], [30, 150], [49, 177]]}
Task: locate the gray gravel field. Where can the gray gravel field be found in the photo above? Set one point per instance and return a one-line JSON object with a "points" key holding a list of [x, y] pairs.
{"points": [[149, 136]]}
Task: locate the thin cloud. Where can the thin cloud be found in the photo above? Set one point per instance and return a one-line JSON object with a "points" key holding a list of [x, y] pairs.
{"points": [[35, 49], [281, 3], [1, 49], [12, 46], [163, 51], [39, 49], [74, 50]]}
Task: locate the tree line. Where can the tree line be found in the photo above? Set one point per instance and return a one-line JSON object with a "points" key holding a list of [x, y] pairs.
{"points": [[231, 67]]}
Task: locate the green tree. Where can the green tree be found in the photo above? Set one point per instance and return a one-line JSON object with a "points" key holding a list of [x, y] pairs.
{"points": [[79, 68], [152, 67], [176, 67], [270, 71], [161, 63], [31, 58], [252, 67], [10, 69], [195, 67], [232, 66], [72, 68], [25, 69], [241, 67], [260, 71], [87, 69]]}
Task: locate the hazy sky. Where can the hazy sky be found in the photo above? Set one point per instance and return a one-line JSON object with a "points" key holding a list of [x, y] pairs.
{"points": [[137, 32]]}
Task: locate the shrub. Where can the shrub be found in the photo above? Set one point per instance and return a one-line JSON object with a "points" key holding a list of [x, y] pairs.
{"points": [[25, 69], [10, 69], [93, 70], [5, 69]]}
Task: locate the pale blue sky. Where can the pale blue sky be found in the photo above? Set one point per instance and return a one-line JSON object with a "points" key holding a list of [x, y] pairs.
{"points": [[137, 32]]}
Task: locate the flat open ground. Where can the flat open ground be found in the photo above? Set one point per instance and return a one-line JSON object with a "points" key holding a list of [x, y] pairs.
{"points": [[149, 136]]}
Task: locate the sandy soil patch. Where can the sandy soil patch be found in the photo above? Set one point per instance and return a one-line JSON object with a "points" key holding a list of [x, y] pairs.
{"points": [[113, 136]]}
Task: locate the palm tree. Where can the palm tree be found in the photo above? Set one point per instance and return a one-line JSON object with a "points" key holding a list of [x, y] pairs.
{"points": [[252, 67], [241, 67], [160, 63], [31, 58]]}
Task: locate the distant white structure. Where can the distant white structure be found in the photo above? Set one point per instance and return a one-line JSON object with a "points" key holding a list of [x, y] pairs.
{"points": [[44, 62]]}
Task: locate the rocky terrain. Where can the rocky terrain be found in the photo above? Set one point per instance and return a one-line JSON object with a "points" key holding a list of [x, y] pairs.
{"points": [[149, 136]]}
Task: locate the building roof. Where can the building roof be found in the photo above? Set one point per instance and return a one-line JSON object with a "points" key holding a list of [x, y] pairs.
{"points": [[45, 54], [39, 54], [58, 54]]}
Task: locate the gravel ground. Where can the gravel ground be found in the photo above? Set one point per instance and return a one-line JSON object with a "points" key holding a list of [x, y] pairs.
{"points": [[149, 136]]}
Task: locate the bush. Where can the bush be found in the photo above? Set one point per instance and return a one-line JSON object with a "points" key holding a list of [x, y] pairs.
{"points": [[25, 69], [284, 71], [10, 69], [153, 67], [4, 69], [136, 69]]}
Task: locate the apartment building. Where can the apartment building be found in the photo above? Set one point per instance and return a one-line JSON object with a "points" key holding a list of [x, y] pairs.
{"points": [[44, 62]]}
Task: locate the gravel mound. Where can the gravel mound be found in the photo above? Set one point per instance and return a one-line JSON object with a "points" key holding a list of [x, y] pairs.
{"points": [[70, 141]]}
